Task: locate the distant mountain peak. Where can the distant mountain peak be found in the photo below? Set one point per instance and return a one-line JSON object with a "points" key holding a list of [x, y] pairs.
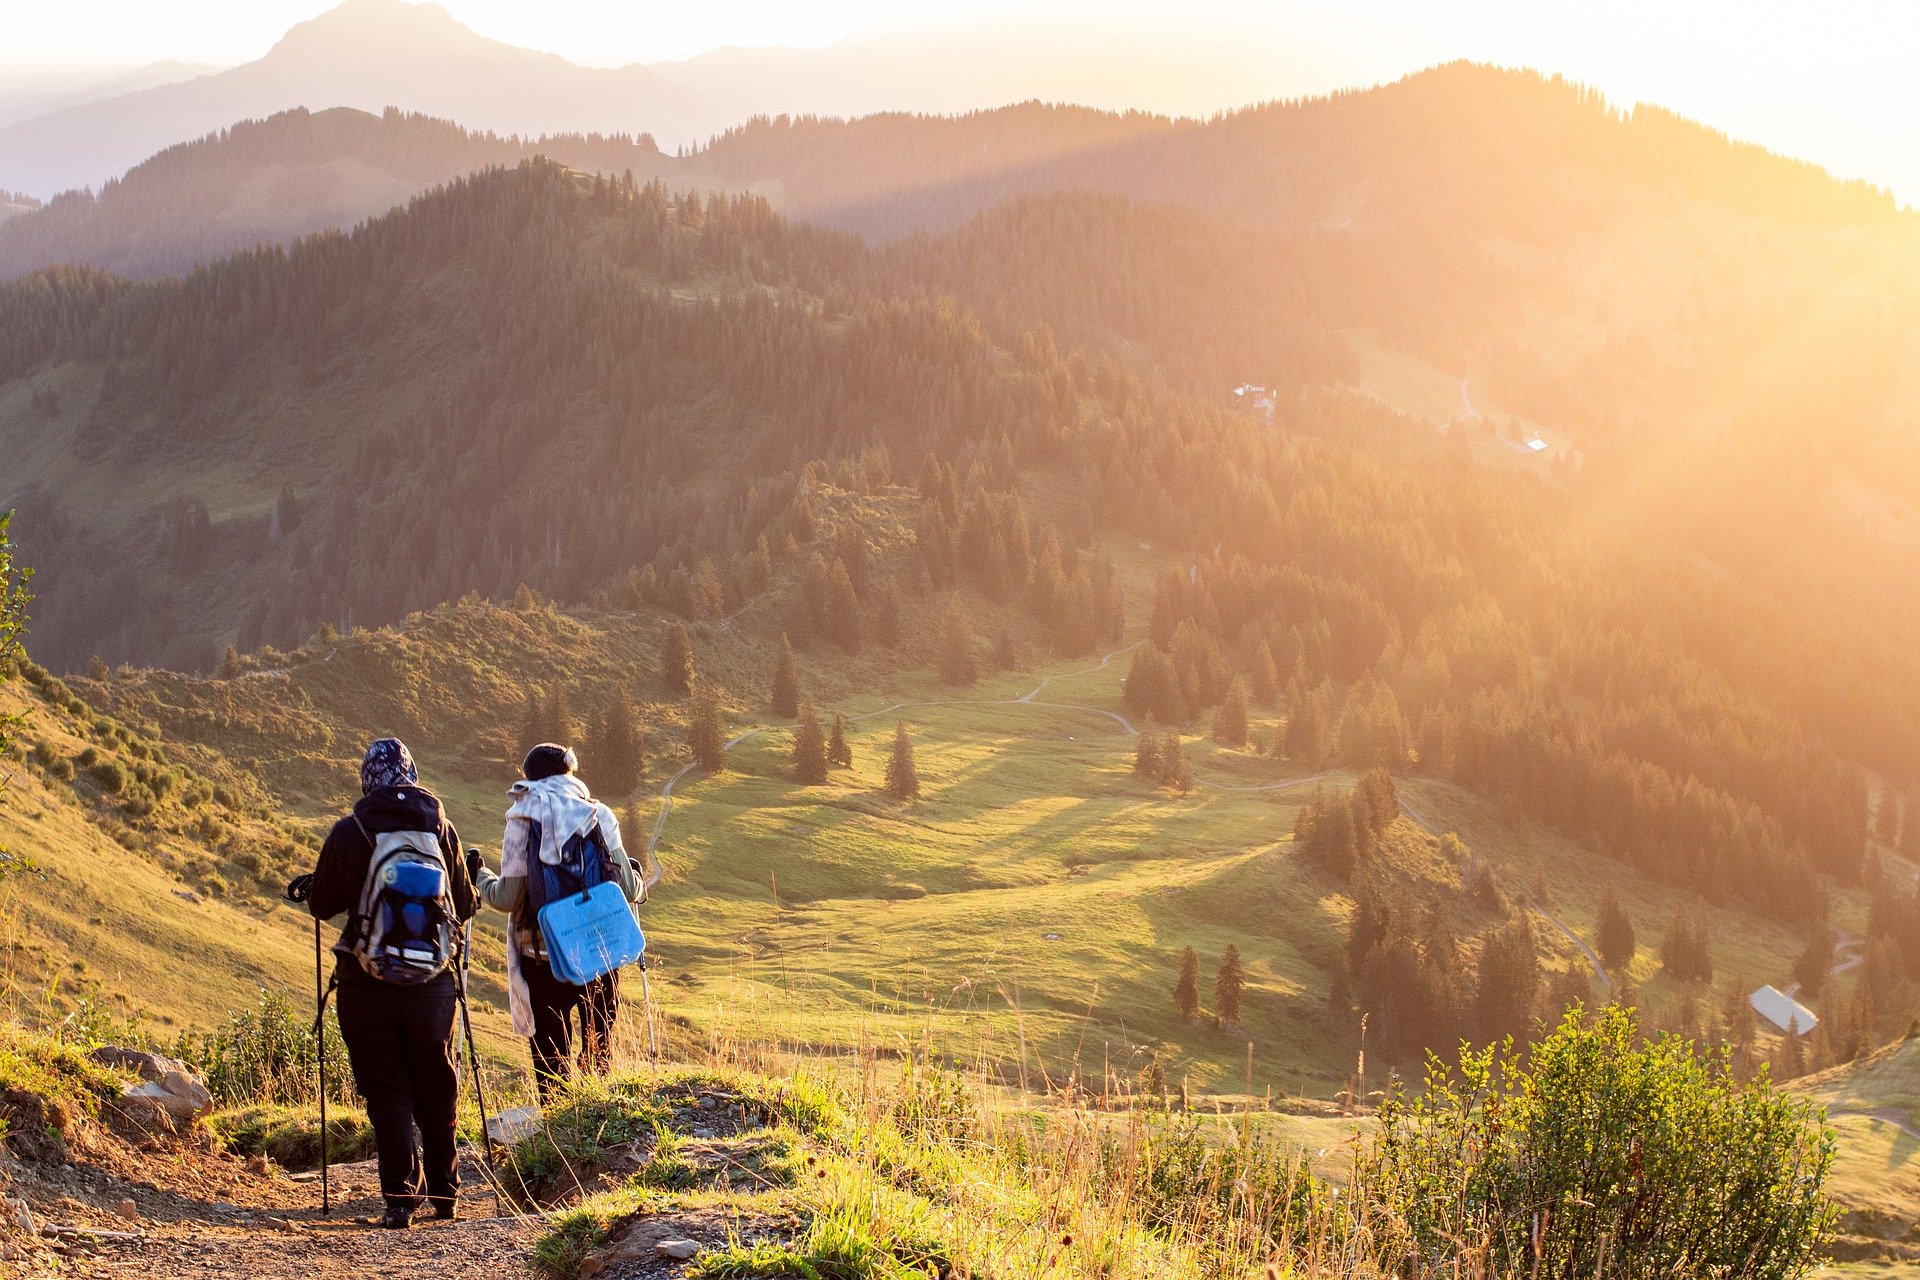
{"points": [[344, 28]]}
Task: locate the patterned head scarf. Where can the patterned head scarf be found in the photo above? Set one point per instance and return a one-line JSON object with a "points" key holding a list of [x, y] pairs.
{"points": [[388, 763]]}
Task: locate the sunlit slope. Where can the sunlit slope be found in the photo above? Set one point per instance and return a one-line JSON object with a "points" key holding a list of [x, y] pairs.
{"points": [[1028, 910]]}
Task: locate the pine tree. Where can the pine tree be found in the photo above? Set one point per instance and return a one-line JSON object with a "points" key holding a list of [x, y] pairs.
{"points": [[615, 757], [533, 723], [230, 663], [1004, 656], [1175, 772], [1230, 721], [785, 699], [706, 731], [838, 752], [1186, 988], [843, 609], [557, 721], [903, 781], [955, 646], [676, 658], [1146, 753], [1613, 934], [1266, 677], [1791, 1062], [1229, 984], [1335, 844], [809, 749], [1509, 982]]}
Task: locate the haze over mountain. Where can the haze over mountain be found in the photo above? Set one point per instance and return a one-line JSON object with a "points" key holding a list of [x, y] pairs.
{"points": [[270, 181], [26, 94], [367, 54]]}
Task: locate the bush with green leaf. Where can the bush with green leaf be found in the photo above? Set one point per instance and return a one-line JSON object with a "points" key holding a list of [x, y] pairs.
{"points": [[268, 1054], [1603, 1156]]}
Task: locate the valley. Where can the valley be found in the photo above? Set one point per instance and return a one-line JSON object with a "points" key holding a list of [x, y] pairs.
{"points": [[1146, 649]]}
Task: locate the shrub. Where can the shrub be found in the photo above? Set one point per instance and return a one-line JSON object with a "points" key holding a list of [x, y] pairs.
{"points": [[111, 775], [266, 1054], [1603, 1157]]}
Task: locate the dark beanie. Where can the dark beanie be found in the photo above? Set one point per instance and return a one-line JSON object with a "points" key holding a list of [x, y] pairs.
{"points": [[548, 760]]}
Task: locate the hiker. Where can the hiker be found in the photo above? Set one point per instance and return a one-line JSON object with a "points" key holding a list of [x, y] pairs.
{"points": [[395, 972], [556, 827]]}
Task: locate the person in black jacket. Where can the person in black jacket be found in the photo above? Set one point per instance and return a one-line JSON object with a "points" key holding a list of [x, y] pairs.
{"points": [[399, 1038]]}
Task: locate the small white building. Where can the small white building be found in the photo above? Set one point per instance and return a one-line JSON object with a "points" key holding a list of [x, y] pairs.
{"points": [[1783, 1011]]}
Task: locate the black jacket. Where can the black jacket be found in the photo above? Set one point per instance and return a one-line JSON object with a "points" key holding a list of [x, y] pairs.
{"points": [[343, 858]]}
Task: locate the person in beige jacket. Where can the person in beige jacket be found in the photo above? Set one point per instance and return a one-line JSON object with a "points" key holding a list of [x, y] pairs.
{"points": [[551, 811]]}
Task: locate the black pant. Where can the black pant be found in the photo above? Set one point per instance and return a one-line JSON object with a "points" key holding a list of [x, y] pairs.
{"points": [[400, 1041], [553, 1004]]}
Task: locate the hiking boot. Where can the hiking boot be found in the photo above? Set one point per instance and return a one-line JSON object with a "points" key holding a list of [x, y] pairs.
{"points": [[397, 1218], [443, 1210]]}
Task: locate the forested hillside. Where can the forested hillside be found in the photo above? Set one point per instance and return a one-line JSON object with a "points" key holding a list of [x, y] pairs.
{"points": [[271, 181], [605, 392]]}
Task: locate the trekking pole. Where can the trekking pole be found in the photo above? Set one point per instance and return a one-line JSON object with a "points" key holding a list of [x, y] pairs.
{"points": [[297, 891], [473, 1056], [646, 1000], [320, 1047]]}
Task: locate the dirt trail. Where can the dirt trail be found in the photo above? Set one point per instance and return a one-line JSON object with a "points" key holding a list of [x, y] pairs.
{"points": [[208, 1216]]}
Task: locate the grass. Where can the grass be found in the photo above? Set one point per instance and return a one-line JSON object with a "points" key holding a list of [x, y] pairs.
{"points": [[1027, 910], [290, 1136]]}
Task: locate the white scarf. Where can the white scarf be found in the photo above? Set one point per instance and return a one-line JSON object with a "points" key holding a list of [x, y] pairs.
{"points": [[563, 808]]}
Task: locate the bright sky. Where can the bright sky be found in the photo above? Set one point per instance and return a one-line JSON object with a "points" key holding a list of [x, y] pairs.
{"points": [[1832, 81]]}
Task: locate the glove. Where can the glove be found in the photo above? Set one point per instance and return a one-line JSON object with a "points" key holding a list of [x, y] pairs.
{"points": [[474, 866], [299, 887]]}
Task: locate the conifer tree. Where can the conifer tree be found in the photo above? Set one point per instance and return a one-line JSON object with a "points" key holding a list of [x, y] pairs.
{"points": [[615, 759], [676, 657], [1146, 753], [1336, 843], [1509, 982], [706, 731], [1175, 772], [1379, 802], [903, 781], [1266, 677], [1229, 984], [557, 720], [955, 646], [809, 748], [839, 753], [1230, 721], [1186, 987], [843, 608], [785, 698], [230, 663], [1613, 934], [533, 723], [1004, 656]]}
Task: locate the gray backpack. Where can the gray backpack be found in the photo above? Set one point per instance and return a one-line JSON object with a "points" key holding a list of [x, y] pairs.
{"points": [[403, 924]]}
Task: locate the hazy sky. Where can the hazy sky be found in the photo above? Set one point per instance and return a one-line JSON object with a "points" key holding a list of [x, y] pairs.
{"points": [[1833, 82]]}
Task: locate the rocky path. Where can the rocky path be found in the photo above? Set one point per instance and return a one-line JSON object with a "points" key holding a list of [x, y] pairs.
{"points": [[210, 1217]]}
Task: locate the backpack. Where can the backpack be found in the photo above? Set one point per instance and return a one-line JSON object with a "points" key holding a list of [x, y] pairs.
{"points": [[580, 922], [583, 864], [403, 924]]}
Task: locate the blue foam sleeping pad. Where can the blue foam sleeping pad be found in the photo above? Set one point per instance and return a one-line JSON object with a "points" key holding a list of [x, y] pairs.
{"points": [[590, 934]]}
